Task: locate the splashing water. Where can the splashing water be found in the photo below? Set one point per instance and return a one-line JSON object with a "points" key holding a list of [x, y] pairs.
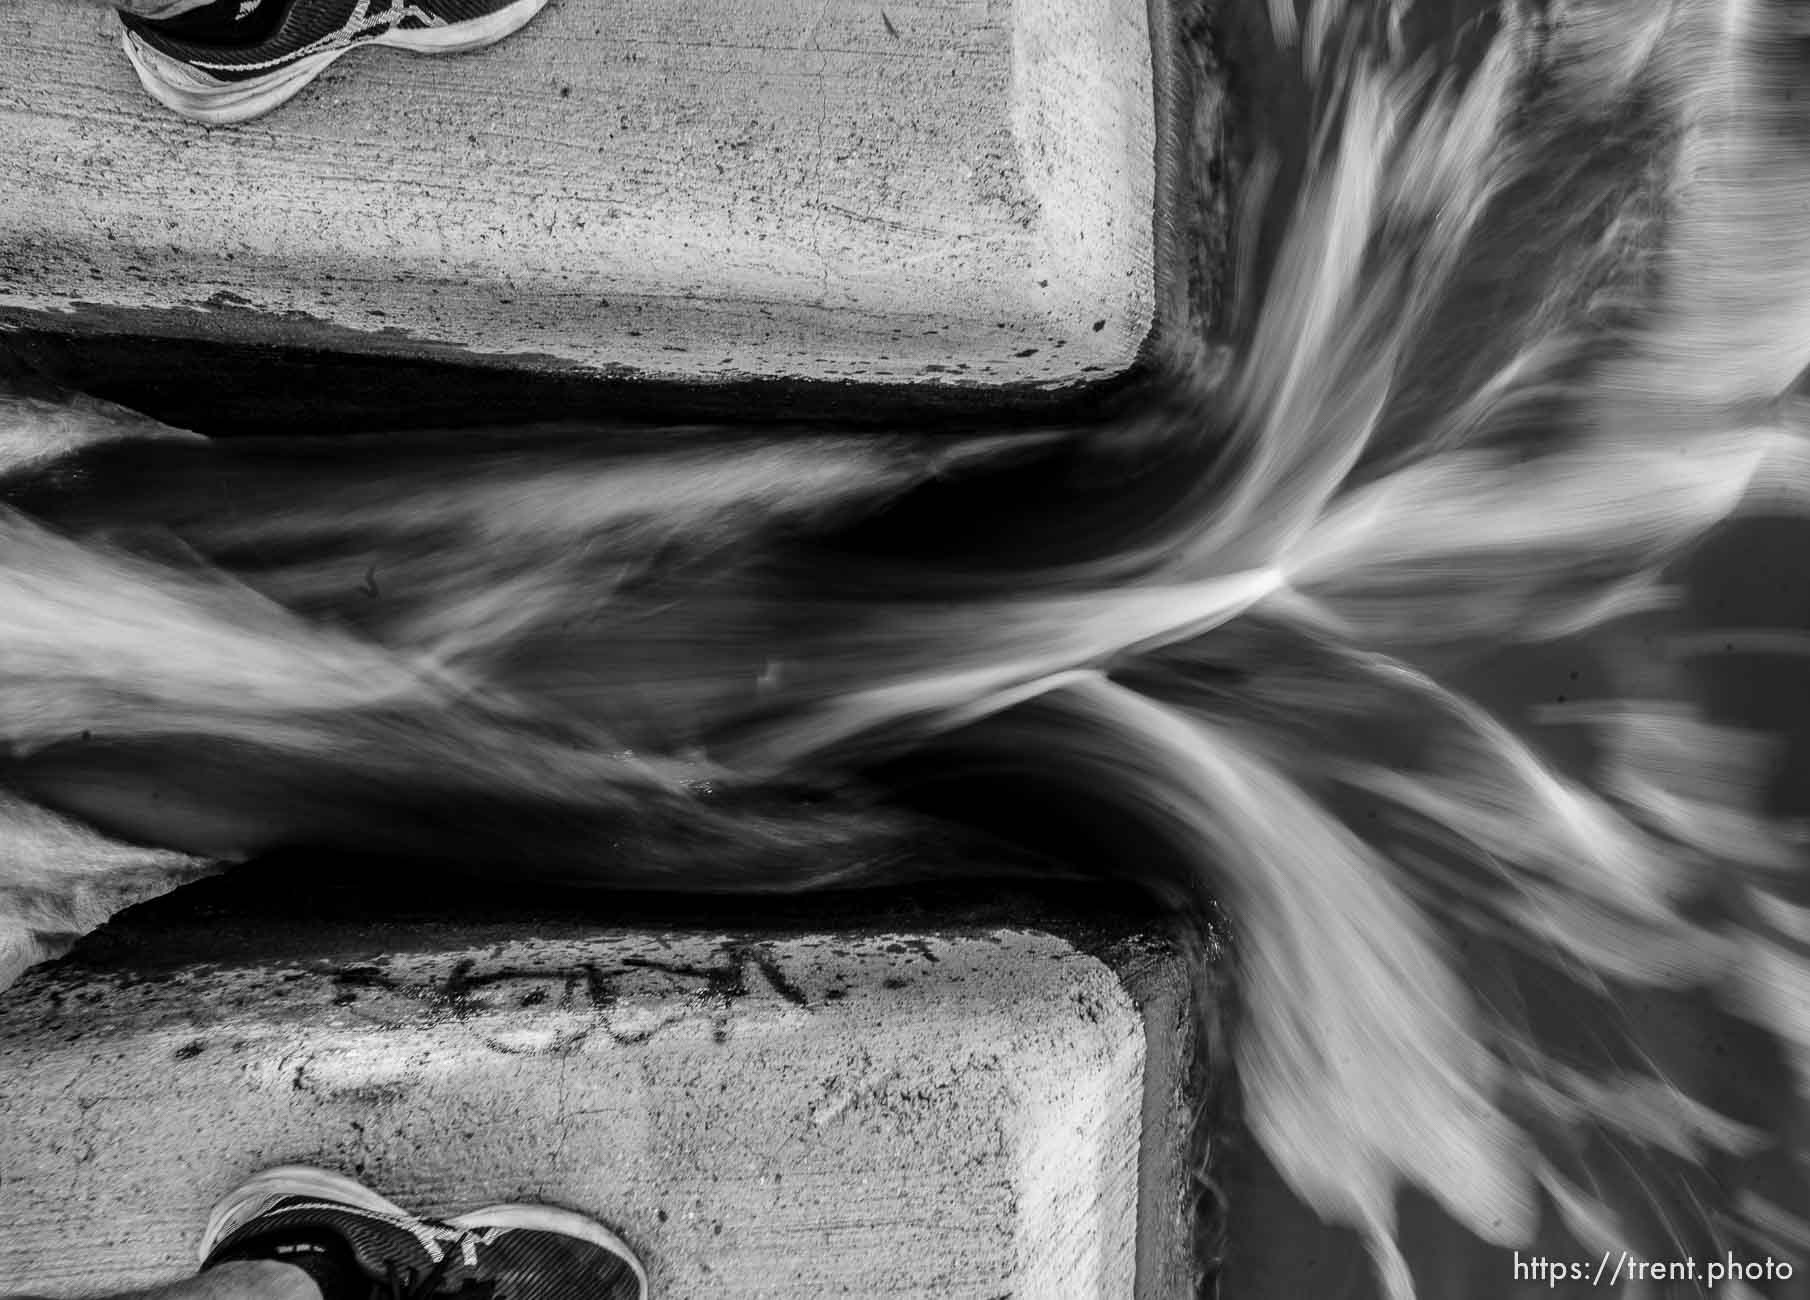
{"points": [[1529, 337]]}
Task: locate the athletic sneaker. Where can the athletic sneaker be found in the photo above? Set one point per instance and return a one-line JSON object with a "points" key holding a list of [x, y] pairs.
{"points": [[358, 1246], [232, 60]]}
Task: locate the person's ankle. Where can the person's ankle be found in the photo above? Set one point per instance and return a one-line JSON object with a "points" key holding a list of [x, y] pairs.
{"points": [[160, 10], [264, 1279]]}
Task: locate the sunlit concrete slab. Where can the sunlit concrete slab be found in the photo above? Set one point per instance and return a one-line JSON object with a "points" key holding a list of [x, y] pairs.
{"points": [[966, 1114], [932, 192]]}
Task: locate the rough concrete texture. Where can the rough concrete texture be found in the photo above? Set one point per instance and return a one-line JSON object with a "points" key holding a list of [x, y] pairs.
{"points": [[941, 191], [982, 1115]]}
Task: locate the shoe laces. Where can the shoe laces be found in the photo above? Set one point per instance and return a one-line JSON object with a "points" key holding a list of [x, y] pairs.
{"points": [[431, 1284]]}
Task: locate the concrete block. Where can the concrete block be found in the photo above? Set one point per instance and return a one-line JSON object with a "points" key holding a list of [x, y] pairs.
{"points": [[933, 192], [967, 1113]]}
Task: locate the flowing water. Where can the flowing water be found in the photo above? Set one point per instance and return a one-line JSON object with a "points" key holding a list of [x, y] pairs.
{"points": [[1424, 656]]}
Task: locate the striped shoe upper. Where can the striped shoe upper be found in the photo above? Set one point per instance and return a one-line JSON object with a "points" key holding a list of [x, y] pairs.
{"points": [[401, 1257], [236, 40]]}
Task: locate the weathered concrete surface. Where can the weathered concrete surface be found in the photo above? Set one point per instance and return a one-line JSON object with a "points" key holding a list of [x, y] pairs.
{"points": [[983, 1114], [912, 191]]}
